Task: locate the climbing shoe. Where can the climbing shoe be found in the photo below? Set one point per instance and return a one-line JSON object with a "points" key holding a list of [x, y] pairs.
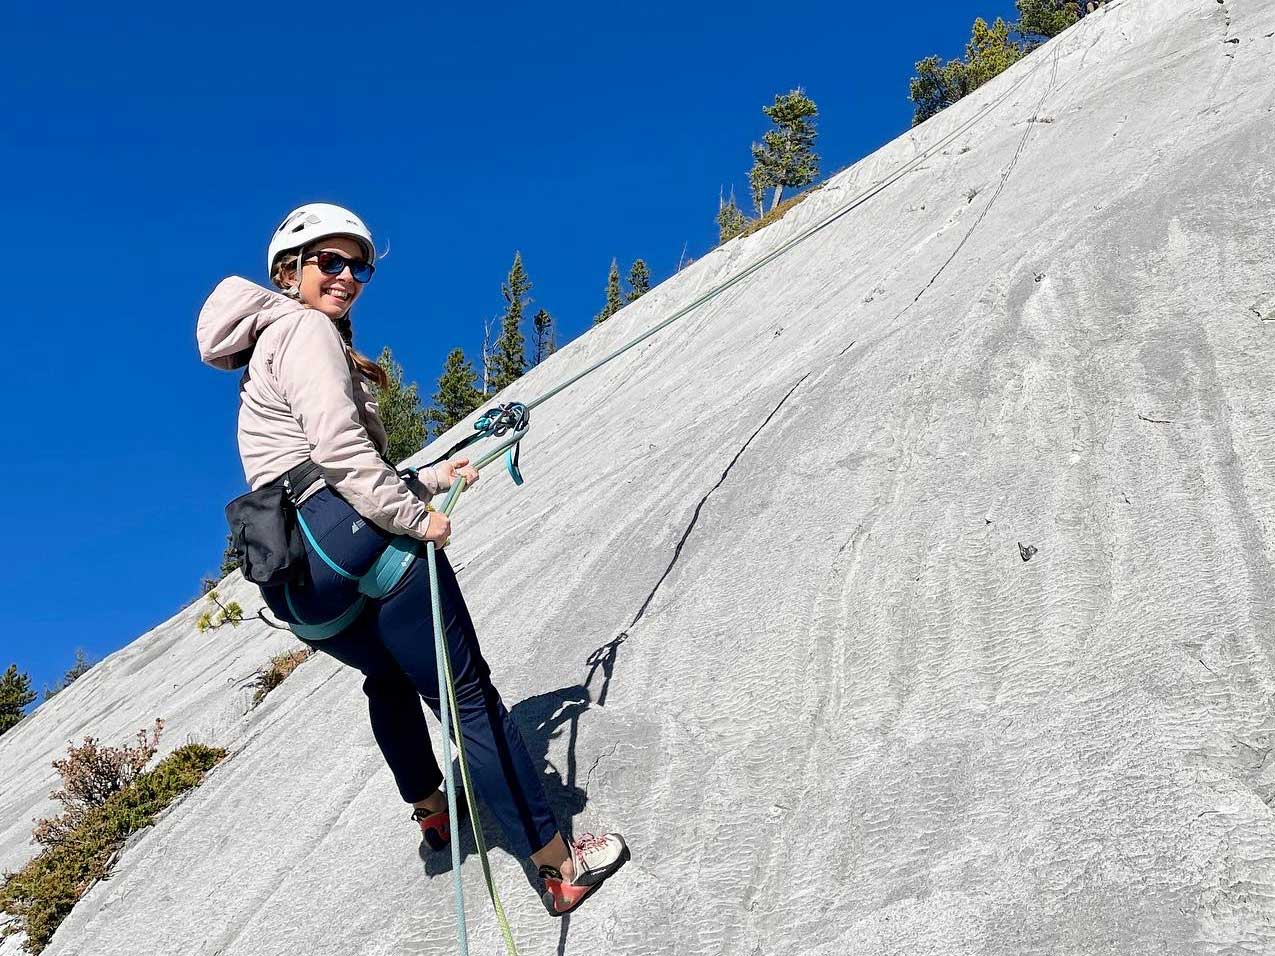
{"points": [[436, 830], [597, 857]]}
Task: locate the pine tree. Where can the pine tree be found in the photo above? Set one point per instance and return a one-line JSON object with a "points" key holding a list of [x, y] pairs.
{"points": [[79, 667], [639, 281], [786, 154], [936, 86], [487, 353], [990, 51], [510, 360], [15, 693], [399, 406], [1039, 20], [457, 393], [731, 220], [615, 299], [229, 557], [543, 324]]}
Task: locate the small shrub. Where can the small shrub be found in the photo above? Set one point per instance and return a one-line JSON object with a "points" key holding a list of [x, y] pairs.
{"points": [[91, 774], [231, 614], [273, 674], [42, 893]]}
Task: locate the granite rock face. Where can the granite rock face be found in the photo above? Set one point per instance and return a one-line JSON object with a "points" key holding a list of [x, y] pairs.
{"points": [[912, 597]]}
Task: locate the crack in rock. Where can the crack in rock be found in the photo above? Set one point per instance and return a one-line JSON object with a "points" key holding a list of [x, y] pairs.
{"points": [[677, 552], [597, 760]]}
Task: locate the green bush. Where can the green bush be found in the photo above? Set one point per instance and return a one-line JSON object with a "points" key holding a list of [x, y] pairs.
{"points": [[43, 892]]}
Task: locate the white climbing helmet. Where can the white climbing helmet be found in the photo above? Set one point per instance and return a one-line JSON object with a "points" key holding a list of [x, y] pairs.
{"points": [[317, 220]]}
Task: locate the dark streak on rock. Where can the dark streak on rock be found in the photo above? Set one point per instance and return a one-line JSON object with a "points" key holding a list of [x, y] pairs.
{"points": [[677, 552], [844, 350], [1156, 421]]}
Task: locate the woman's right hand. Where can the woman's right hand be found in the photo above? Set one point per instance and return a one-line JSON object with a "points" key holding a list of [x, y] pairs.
{"points": [[438, 528]]}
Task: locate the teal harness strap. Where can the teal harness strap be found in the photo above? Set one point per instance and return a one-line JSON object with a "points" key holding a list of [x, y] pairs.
{"points": [[389, 567], [318, 632], [305, 529], [380, 579]]}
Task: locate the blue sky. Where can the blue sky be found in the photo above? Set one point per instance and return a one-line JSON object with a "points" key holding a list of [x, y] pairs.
{"points": [[150, 152]]}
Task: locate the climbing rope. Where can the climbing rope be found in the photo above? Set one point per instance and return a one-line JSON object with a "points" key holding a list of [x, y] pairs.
{"points": [[449, 715], [513, 419]]}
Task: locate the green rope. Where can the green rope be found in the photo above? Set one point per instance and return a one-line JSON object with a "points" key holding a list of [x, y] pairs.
{"points": [[449, 716], [476, 824]]}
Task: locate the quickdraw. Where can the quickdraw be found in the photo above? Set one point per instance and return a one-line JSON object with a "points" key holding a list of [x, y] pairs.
{"points": [[496, 423]]}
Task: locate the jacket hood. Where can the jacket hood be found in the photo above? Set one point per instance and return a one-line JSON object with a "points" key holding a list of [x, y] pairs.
{"points": [[233, 318]]}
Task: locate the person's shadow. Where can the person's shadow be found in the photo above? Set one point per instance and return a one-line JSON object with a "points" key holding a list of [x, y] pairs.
{"points": [[541, 720]]}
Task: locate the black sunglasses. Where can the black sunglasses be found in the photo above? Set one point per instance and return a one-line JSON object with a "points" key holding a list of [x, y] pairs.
{"points": [[333, 264]]}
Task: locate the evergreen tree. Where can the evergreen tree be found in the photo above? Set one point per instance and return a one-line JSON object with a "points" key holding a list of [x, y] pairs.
{"points": [[543, 324], [615, 299], [399, 406], [457, 393], [229, 557], [15, 693], [1039, 20], [786, 155], [731, 220], [78, 669], [639, 281], [990, 51], [510, 360]]}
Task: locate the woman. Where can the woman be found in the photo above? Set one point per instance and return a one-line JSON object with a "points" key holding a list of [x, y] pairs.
{"points": [[305, 397]]}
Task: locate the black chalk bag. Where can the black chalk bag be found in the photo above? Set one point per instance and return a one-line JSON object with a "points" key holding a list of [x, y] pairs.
{"points": [[264, 531]]}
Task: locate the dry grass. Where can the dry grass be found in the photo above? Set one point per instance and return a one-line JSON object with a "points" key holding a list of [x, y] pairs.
{"points": [[779, 211], [271, 675]]}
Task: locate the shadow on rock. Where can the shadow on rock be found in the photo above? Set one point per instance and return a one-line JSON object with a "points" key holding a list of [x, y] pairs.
{"points": [[541, 720]]}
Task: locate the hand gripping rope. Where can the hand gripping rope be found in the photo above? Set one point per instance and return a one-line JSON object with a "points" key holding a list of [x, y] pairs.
{"points": [[512, 419]]}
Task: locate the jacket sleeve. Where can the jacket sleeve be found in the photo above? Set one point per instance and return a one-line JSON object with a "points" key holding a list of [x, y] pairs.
{"points": [[314, 376]]}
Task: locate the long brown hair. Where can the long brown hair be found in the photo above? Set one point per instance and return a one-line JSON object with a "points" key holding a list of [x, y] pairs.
{"points": [[284, 274]]}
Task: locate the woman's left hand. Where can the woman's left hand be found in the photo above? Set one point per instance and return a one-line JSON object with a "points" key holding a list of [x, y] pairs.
{"points": [[449, 470]]}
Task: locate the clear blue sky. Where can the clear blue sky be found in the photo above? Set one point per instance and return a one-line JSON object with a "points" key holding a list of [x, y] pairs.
{"points": [[149, 152]]}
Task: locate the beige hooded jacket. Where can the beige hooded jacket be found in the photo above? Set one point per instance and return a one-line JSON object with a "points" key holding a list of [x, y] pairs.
{"points": [[301, 397]]}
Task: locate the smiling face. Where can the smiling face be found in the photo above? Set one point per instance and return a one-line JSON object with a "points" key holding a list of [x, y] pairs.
{"points": [[331, 295]]}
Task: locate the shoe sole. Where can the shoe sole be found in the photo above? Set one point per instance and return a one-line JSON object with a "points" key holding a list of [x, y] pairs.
{"points": [[550, 904]]}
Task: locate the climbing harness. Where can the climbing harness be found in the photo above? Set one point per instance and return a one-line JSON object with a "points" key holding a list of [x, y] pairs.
{"points": [[376, 583]]}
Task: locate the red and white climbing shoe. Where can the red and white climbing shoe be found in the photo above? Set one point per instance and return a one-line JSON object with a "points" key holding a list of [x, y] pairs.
{"points": [[436, 831], [596, 858]]}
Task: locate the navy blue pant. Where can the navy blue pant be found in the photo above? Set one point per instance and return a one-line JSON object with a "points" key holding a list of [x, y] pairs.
{"points": [[392, 644]]}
